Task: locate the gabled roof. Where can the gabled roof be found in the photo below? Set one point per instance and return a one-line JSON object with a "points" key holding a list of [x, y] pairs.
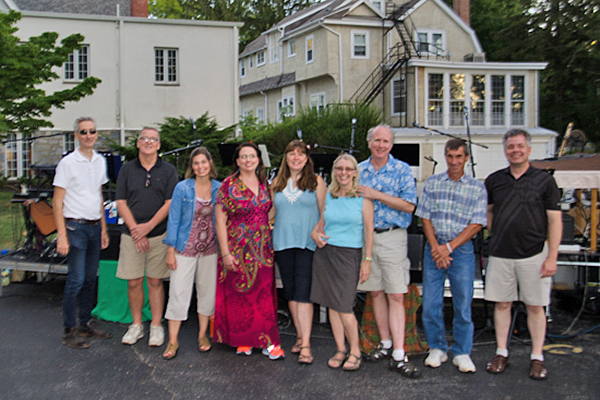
{"points": [[260, 43], [94, 7], [268, 84]]}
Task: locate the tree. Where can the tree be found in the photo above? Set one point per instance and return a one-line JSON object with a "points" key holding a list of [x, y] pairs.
{"points": [[257, 15], [24, 107]]}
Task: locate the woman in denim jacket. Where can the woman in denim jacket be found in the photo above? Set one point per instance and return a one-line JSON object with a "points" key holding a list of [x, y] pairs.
{"points": [[192, 252]]}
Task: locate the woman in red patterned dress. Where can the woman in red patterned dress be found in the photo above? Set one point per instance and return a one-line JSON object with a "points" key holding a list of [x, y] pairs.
{"points": [[246, 302]]}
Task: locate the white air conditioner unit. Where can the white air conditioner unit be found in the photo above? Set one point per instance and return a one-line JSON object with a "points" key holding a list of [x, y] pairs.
{"points": [[475, 57]]}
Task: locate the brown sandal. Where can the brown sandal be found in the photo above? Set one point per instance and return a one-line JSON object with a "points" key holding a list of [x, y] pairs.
{"points": [[335, 361], [303, 358], [350, 365], [170, 351], [203, 344], [297, 346]]}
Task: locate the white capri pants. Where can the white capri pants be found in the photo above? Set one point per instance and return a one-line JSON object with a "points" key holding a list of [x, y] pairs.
{"points": [[204, 271]]}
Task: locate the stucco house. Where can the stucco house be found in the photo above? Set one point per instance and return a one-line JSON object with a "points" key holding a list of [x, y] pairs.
{"points": [[150, 69], [419, 61]]}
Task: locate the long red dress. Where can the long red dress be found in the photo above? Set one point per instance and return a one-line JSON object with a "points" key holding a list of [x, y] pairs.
{"points": [[246, 302]]}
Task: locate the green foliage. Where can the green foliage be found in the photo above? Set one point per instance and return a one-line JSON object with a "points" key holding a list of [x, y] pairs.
{"points": [[257, 15], [329, 127], [177, 133], [563, 33], [24, 107]]}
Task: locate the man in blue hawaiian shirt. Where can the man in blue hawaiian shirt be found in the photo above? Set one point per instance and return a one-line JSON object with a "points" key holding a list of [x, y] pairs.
{"points": [[390, 184]]}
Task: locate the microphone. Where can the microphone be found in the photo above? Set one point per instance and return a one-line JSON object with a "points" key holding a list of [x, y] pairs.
{"points": [[196, 142]]}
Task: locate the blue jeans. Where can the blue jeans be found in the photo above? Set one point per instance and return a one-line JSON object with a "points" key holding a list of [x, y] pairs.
{"points": [[461, 273], [83, 260]]}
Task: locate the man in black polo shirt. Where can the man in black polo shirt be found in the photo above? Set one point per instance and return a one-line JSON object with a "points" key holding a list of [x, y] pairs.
{"points": [[523, 214], [144, 190]]}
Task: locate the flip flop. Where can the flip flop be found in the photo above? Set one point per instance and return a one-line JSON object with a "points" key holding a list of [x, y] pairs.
{"points": [[203, 343], [171, 351]]}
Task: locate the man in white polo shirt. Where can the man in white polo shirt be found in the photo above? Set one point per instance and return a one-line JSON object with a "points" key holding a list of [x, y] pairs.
{"points": [[79, 216]]}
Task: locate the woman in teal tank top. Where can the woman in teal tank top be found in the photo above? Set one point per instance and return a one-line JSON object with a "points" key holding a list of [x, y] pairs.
{"points": [[298, 196], [338, 265]]}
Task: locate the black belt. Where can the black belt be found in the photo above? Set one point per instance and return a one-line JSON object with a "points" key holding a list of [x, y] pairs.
{"points": [[83, 221], [379, 230]]}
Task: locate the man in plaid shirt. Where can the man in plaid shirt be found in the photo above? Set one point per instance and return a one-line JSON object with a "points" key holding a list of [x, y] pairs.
{"points": [[453, 209]]}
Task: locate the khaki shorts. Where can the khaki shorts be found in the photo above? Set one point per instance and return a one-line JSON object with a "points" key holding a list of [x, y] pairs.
{"points": [[134, 265], [512, 280], [390, 268]]}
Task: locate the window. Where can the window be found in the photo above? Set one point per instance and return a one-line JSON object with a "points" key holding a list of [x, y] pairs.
{"points": [[432, 42], [498, 99], [251, 62], [360, 44], [260, 58], [165, 66], [317, 100], [291, 47], [517, 103], [260, 115], [242, 67], [274, 45], [68, 142], [377, 4], [285, 108], [77, 66], [478, 100], [457, 99], [18, 156], [246, 114], [435, 99], [399, 96], [309, 49]]}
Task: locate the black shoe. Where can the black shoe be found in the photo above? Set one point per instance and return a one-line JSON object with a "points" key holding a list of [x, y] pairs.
{"points": [[378, 354], [405, 368], [89, 330], [72, 339]]}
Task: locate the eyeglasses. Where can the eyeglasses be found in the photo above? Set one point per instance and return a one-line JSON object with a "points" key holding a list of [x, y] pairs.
{"points": [[247, 156], [148, 177], [147, 139], [344, 169], [85, 132]]}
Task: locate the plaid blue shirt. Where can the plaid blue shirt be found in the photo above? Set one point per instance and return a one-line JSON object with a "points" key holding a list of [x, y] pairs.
{"points": [[452, 206], [396, 179]]}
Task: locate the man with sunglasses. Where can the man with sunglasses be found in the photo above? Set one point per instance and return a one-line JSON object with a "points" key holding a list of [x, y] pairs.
{"points": [[81, 228], [144, 189]]}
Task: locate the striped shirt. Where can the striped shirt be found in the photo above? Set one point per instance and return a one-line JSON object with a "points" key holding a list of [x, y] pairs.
{"points": [[452, 206]]}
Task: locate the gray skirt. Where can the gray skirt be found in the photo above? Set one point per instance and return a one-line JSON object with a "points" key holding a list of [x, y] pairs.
{"points": [[335, 277]]}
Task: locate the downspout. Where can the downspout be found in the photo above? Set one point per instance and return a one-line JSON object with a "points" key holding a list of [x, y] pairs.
{"points": [[266, 109], [279, 44], [236, 104], [121, 73], [341, 85], [416, 103]]}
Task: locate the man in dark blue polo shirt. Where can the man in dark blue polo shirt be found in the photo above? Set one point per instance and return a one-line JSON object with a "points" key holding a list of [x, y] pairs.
{"points": [[144, 190], [523, 214]]}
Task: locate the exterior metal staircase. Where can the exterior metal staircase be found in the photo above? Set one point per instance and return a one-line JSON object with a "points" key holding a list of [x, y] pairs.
{"points": [[397, 57]]}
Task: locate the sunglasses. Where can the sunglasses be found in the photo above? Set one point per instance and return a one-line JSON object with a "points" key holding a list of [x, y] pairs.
{"points": [[85, 132], [148, 177]]}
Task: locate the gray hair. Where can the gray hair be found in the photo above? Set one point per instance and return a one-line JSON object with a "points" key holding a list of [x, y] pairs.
{"points": [[149, 128], [516, 132], [82, 119], [373, 129]]}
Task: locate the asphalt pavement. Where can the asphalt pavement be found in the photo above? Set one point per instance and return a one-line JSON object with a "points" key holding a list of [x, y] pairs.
{"points": [[35, 365]]}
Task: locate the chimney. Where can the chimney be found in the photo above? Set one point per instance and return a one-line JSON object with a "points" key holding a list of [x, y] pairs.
{"points": [[139, 8], [462, 8]]}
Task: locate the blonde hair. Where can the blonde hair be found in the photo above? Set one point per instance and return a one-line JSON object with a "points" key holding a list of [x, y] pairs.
{"points": [[334, 187]]}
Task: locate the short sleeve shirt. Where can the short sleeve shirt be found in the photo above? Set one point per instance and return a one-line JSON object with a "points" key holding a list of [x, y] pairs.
{"points": [[395, 179], [146, 191], [82, 180], [519, 220], [452, 206]]}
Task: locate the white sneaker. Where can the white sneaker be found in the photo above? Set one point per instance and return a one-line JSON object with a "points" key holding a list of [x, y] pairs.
{"points": [[436, 358], [133, 334], [157, 336], [464, 363]]}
